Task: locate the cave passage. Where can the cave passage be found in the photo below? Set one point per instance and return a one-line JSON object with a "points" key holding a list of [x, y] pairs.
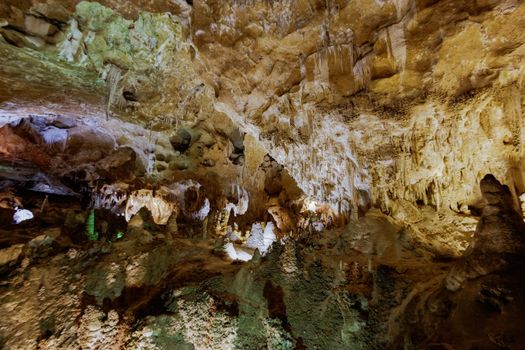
{"points": [[262, 174]]}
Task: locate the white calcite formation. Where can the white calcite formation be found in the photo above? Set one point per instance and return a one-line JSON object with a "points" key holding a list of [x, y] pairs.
{"points": [[261, 238], [159, 208], [21, 215]]}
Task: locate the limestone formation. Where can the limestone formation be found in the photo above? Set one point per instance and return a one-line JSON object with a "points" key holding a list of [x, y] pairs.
{"points": [[260, 174]]}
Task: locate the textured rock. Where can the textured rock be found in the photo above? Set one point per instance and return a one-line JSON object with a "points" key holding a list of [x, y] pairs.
{"points": [[499, 236], [477, 301], [9, 257], [357, 77], [358, 130]]}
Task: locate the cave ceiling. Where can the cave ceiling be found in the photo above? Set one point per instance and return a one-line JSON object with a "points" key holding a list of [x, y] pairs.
{"points": [[262, 120]]}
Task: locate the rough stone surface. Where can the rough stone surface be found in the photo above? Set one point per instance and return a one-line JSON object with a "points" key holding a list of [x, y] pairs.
{"points": [[174, 131]]}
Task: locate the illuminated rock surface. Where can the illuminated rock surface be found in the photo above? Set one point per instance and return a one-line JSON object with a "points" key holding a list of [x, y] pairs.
{"points": [[249, 174]]}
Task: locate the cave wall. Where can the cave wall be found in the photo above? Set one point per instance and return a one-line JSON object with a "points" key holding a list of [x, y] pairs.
{"points": [[377, 119]]}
